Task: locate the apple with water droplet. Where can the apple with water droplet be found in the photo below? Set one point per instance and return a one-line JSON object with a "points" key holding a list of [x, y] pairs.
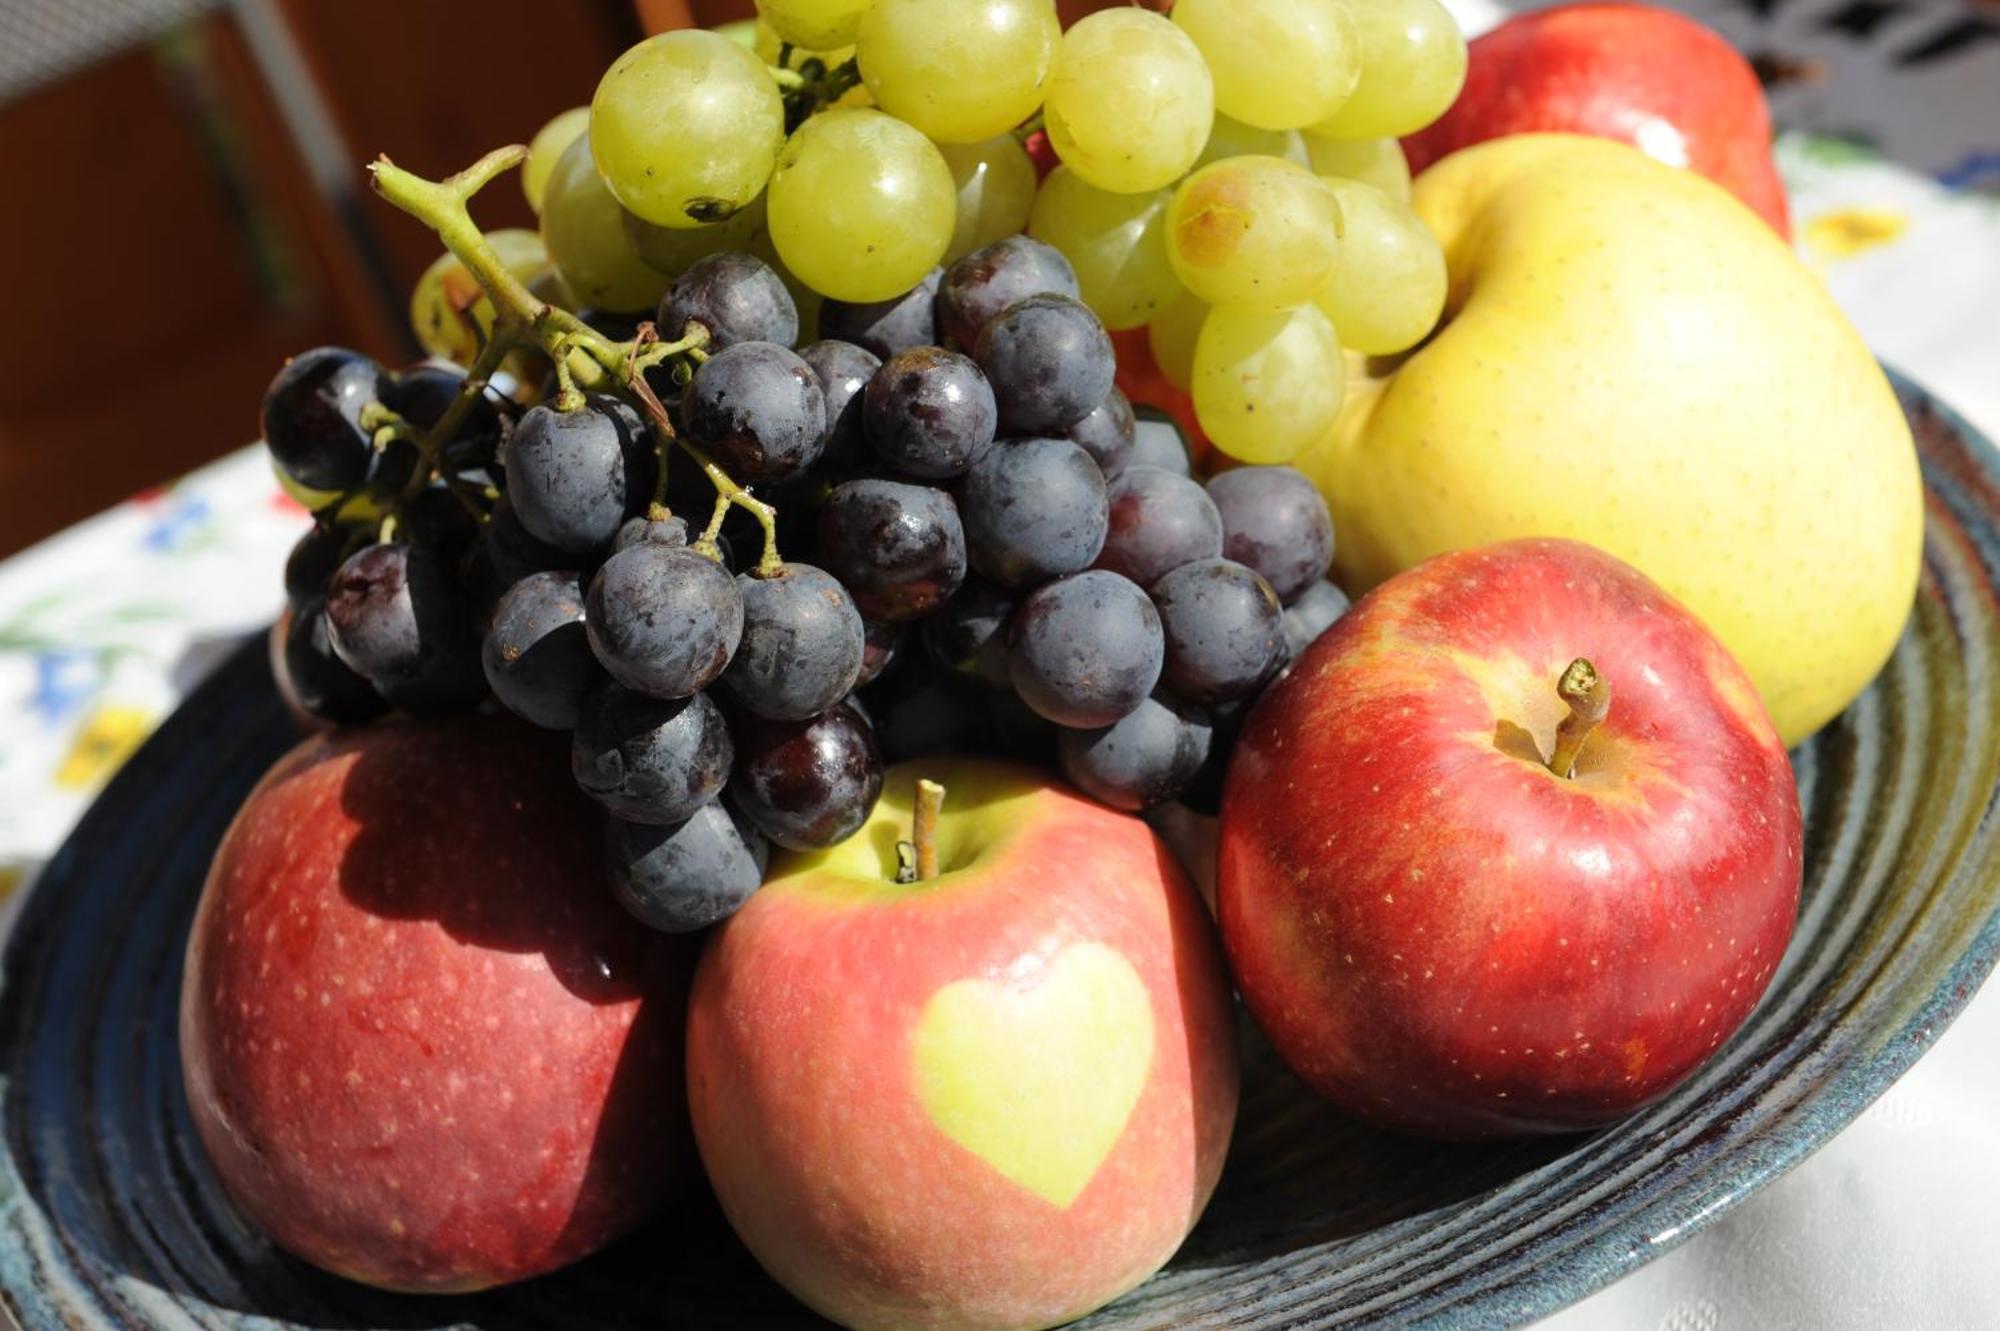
{"points": [[1513, 848], [997, 1095]]}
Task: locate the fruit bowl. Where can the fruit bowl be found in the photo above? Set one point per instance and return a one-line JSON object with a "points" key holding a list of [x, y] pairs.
{"points": [[112, 1218]]}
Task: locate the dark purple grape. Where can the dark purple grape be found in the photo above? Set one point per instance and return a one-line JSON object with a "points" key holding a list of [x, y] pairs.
{"points": [[758, 409], [312, 561], [1018, 731], [438, 518], [886, 327], [573, 477], [397, 617], [1157, 441], [928, 411], [807, 784], [880, 645], [802, 644], [320, 682], [736, 296], [536, 655], [1086, 649], [920, 713], [390, 470], [899, 549], [1274, 521], [1204, 793], [684, 877], [1033, 509], [663, 619], [969, 635], [1050, 363], [843, 369], [1224, 630], [1159, 521], [650, 760], [423, 393], [987, 281], [504, 554], [646, 529], [1145, 758], [1315, 611], [1107, 433], [312, 417]]}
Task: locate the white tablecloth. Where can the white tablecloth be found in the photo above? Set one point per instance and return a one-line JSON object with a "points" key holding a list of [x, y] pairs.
{"points": [[1893, 1225]]}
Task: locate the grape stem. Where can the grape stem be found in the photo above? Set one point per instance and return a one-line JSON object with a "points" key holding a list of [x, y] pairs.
{"points": [[443, 206], [813, 85], [1589, 697], [431, 446], [584, 358], [727, 491]]}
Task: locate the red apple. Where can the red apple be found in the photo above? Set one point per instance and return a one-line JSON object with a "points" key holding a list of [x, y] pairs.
{"points": [[424, 1047], [1643, 75], [997, 1098], [1439, 932]]}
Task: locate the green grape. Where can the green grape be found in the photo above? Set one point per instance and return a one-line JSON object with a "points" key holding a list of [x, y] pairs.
{"points": [[1267, 384], [1233, 138], [1116, 242], [546, 149], [768, 45], [1130, 101], [548, 287], [959, 70], [861, 205], [1172, 337], [1254, 231], [1278, 64], [669, 250], [1412, 66], [814, 25], [1377, 162], [996, 185], [447, 295], [584, 229], [1390, 287], [745, 32], [685, 127]]}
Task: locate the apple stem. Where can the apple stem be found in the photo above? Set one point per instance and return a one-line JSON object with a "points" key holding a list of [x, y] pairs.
{"points": [[1589, 697], [930, 799]]}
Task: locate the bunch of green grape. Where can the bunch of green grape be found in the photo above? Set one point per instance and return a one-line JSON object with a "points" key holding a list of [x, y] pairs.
{"points": [[1261, 242], [1228, 174]]}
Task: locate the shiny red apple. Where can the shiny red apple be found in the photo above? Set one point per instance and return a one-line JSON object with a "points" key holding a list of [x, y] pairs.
{"points": [[994, 1098], [1439, 930], [423, 1045], [1637, 73]]}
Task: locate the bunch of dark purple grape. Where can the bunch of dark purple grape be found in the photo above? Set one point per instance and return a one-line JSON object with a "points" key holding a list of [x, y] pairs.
{"points": [[986, 550]]}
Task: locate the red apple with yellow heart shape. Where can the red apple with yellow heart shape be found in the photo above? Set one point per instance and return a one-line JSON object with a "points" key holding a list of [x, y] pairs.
{"points": [[423, 1045], [1441, 930], [996, 1097]]}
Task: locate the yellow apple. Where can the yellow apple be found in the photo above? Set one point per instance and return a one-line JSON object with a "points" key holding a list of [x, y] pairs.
{"points": [[1630, 357]]}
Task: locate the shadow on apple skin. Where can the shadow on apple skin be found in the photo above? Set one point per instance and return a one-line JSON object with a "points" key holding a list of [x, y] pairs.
{"points": [[412, 821]]}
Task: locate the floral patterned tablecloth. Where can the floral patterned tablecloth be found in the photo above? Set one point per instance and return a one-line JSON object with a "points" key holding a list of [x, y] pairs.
{"points": [[106, 626]]}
